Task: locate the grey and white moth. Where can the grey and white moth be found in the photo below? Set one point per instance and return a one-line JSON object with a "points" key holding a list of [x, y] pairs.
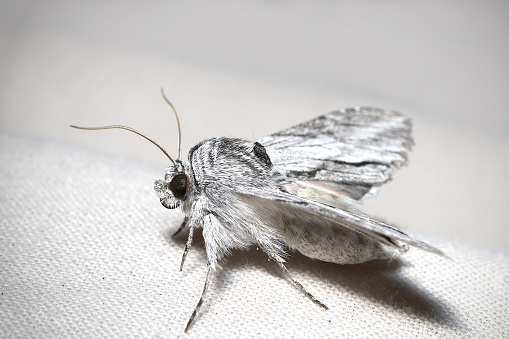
{"points": [[292, 190]]}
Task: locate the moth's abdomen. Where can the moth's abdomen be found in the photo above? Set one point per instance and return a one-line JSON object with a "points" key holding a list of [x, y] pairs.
{"points": [[321, 239]]}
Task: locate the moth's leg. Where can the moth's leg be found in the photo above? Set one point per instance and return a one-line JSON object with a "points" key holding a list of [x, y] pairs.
{"points": [[181, 226], [188, 245], [197, 308], [210, 227], [299, 285]]}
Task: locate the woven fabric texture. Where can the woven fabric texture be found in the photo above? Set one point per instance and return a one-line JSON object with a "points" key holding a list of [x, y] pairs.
{"points": [[86, 251]]}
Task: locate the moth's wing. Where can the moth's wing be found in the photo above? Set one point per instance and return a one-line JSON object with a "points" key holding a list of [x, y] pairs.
{"points": [[352, 151], [355, 221]]}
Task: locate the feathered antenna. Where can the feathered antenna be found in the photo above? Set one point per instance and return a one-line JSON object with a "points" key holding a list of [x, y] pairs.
{"points": [[128, 129], [178, 122]]}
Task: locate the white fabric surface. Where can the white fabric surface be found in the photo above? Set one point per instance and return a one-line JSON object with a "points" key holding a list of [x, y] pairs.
{"points": [[86, 251]]}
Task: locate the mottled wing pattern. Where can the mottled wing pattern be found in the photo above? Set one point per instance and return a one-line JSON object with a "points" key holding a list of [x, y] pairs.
{"points": [[354, 149]]}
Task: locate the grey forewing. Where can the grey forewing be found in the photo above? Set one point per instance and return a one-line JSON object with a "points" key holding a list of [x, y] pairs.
{"points": [[359, 148]]}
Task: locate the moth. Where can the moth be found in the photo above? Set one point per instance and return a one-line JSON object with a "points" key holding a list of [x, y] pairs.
{"points": [[294, 190]]}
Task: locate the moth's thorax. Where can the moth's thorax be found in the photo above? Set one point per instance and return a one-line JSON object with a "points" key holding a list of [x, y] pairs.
{"points": [[230, 162], [223, 162]]}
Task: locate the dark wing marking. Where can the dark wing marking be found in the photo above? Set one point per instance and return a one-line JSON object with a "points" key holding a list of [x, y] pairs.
{"points": [[358, 148]]}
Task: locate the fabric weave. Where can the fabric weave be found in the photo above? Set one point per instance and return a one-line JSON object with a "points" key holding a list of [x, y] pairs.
{"points": [[86, 251]]}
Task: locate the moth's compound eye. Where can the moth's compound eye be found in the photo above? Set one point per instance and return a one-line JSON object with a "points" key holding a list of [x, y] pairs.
{"points": [[178, 185]]}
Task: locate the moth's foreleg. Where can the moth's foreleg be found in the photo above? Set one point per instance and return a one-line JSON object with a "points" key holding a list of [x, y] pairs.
{"points": [[188, 245], [299, 285], [197, 308], [184, 223]]}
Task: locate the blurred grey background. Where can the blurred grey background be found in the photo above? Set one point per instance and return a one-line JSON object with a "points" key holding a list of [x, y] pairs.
{"points": [[250, 68]]}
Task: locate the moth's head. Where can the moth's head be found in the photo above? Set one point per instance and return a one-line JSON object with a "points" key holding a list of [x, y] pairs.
{"points": [[175, 186]]}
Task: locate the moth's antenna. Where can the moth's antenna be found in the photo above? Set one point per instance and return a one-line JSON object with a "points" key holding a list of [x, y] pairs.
{"points": [[178, 122], [128, 129]]}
